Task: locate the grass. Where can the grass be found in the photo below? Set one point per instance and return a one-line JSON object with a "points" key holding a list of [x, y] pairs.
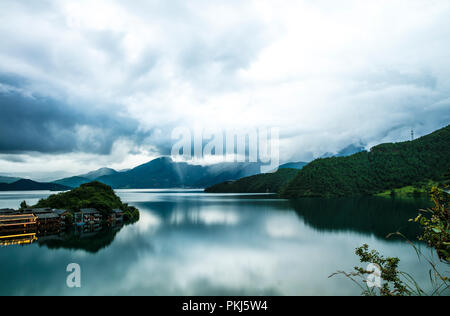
{"points": [[422, 189]]}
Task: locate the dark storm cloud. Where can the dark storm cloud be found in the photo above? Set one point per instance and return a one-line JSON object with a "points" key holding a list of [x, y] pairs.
{"points": [[12, 158], [42, 124]]}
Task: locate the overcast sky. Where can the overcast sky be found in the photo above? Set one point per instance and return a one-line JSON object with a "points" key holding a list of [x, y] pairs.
{"points": [[88, 84]]}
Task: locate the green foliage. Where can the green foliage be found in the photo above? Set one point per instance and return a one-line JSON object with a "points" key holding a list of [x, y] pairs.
{"points": [[131, 214], [23, 205], [262, 183], [90, 195], [437, 228], [393, 281], [393, 284], [385, 167]]}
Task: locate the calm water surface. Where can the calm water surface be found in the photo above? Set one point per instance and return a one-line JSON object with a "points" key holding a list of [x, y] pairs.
{"points": [[191, 243]]}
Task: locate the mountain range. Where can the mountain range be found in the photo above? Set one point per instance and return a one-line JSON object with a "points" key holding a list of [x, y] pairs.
{"points": [[76, 181], [165, 173], [384, 168], [8, 179], [159, 173], [30, 185]]}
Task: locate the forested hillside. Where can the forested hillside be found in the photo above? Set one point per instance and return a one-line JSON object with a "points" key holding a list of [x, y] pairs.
{"points": [[262, 183], [385, 167]]}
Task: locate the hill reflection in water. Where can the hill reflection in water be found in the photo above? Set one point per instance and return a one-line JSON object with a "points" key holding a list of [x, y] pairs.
{"points": [[366, 215]]}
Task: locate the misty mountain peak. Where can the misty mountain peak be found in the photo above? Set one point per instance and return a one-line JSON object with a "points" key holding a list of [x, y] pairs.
{"points": [[99, 173]]}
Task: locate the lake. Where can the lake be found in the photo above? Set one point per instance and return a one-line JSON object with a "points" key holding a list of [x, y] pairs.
{"points": [[192, 243]]}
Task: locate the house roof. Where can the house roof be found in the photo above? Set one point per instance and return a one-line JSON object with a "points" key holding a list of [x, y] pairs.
{"points": [[117, 210], [47, 216], [60, 212], [7, 211], [89, 211], [38, 210]]}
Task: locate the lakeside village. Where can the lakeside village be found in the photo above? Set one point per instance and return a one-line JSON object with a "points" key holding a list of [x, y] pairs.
{"points": [[22, 227]]}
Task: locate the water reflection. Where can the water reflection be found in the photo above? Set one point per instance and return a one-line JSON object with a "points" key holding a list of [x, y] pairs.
{"points": [[90, 238], [365, 215], [197, 244], [17, 239]]}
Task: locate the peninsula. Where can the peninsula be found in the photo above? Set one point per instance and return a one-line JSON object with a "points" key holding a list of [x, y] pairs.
{"points": [[88, 207]]}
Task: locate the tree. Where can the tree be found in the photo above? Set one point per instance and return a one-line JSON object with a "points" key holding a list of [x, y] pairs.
{"points": [[437, 227], [23, 205]]}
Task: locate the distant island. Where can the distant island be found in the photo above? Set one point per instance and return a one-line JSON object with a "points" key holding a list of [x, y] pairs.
{"points": [[388, 169]]}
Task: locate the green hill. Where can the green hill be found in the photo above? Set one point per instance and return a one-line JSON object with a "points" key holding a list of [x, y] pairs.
{"points": [[262, 183], [90, 195], [385, 167]]}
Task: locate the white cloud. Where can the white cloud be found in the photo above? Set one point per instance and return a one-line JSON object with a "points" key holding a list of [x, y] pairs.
{"points": [[327, 73]]}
